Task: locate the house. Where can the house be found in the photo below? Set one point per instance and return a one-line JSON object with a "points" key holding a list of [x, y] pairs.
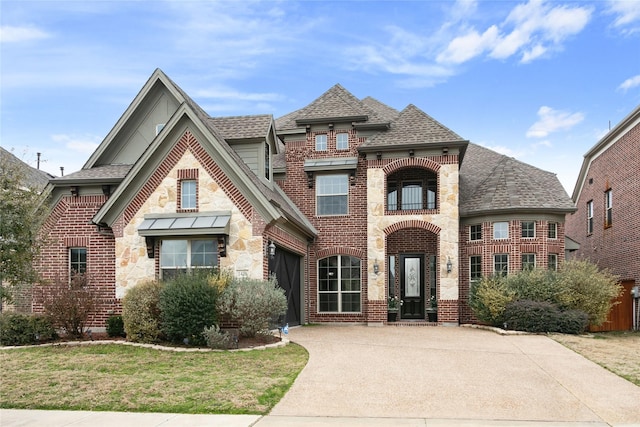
{"points": [[348, 201], [607, 221]]}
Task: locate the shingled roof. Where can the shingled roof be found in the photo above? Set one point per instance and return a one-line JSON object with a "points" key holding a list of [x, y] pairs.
{"points": [[243, 127], [492, 183], [412, 126], [33, 178], [337, 102], [97, 173]]}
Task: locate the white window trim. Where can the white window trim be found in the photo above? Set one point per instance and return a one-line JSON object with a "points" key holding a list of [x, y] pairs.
{"points": [[195, 194], [346, 147], [494, 263], [522, 230], [494, 230], [534, 259], [553, 225], [471, 239], [188, 256], [339, 291], [319, 138], [346, 177]]}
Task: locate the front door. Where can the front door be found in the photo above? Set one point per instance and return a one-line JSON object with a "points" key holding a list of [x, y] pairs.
{"points": [[412, 286]]}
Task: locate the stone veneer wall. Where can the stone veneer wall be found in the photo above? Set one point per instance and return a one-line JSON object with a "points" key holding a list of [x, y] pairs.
{"points": [[446, 221], [244, 250]]}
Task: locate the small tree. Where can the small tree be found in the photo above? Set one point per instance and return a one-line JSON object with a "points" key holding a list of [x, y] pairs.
{"points": [[70, 305], [252, 304], [141, 312], [582, 286], [22, 211]]}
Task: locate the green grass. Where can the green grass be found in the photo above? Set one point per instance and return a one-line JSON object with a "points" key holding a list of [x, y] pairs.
{"points": [[112, 377]]}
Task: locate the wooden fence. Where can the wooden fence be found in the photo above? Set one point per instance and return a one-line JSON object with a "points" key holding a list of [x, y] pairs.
{"points": [[621, 315]]}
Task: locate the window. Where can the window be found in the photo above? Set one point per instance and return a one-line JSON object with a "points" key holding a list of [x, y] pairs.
{"points": [[552, 262], [411, 195], [339, 284], [501, 264], [188, 194], [411, 189], [500, 230], [528, 229], [332, 192], [392, 275], [267, 161], [321, 142], [553, 230], [475, 267], [608, 208], [179, 256], [475, 232], [342, 141], [528, 261], [590, 217], [77, 261]]}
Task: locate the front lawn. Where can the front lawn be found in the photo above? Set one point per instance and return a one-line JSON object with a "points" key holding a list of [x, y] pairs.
{"points": [[111, 377], [618, 352]]}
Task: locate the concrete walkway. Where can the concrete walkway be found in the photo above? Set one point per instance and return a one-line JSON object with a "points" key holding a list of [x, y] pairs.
{"points": [[415, 376]]}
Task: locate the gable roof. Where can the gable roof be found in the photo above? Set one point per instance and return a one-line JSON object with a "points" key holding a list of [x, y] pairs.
{"points": [[631, 120], [492, 183], [336, 104], [412, 127], [272, 204]]}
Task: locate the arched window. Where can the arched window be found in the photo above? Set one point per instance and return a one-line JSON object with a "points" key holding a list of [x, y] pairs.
{"points": [[339, 284]]}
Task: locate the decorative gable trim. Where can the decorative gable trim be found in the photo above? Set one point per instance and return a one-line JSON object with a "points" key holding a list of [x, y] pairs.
{"points": [[188, 142]]}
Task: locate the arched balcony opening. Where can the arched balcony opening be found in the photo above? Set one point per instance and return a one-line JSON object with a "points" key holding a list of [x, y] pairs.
{"points": [[411, 189]]}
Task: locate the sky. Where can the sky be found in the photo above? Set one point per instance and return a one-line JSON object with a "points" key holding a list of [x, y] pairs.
{"points": [[540, 81]]}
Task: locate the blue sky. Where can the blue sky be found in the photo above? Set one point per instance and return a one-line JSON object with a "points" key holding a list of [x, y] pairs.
{"points": [[540, 81]]}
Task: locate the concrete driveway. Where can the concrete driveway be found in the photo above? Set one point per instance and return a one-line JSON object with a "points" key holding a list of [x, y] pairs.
{"points": [[451, 373]]}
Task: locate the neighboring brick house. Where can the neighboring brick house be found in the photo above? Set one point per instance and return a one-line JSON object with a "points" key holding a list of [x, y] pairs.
{"points": [[358, 201], [607, 221]]}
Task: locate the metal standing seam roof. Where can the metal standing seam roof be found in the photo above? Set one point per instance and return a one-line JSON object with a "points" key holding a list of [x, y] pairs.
{"points": [[335, 163], [185, 224]]}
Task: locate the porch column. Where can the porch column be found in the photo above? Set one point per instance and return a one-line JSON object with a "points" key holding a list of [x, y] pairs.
{"points": [[377, 304]]}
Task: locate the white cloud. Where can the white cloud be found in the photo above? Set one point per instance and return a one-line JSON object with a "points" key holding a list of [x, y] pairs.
{"points": [[11, 34], [531, 30], [627, 15], [80, 144], [551, 120], [630, 83], [472, 44]]}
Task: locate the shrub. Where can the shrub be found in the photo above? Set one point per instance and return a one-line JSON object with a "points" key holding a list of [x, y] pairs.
{"points": [[543, 316], [252, 304], [115, 326], [141, 312], [69, 305], [583, 287], [536, 285], [488, 299], [573, 322], [25, 329], [216, 338], [220, 279], [187, 306]]}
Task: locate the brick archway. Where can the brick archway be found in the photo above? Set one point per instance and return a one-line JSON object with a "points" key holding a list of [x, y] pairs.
{"points": [[413, 223]]}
